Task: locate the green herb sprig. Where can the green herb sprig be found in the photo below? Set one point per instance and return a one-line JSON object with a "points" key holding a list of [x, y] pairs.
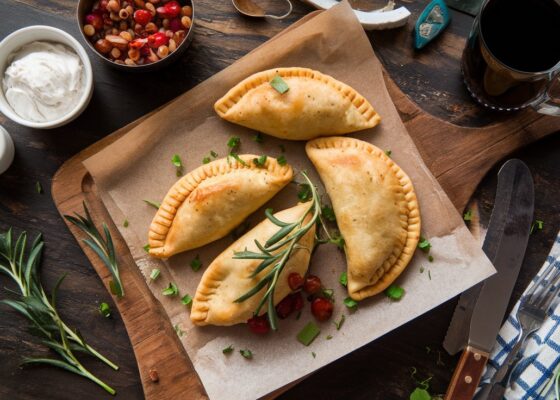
{"points": [[102, 246], [40, 308], [276, 252]]}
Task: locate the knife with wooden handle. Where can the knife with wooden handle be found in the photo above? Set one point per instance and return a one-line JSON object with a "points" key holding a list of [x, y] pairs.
{"points": [[515, 202]]}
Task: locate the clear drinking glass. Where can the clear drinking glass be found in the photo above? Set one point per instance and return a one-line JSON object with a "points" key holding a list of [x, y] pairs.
{"points": [[512, 57]]}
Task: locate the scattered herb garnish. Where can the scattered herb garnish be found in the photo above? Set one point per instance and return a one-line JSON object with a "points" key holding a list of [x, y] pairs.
{"points": [[125, 223], [394, 292], [40, 309], [340, 322], [196, 263], [343, 279], [213, 154], [329, 337], [282, 160], [186, 299], [171, 290], [537, 224], [429, 275], [38, 187], [176, 161], [102, 246], [313, 354], [178, 330], [430, 258], [467, 216], [239, 159], [420, 394], [338, 240], [282, 148], [258, 138], [424, 244], [328, 213], [308, 334], [246, 353], [234, 142], [154, 204], [351, 303], [260, 161], [388, 153], [304, 193], [276, 252], [104, 309], [206, 160], [228, 350], [154, 274], [146, 248], [328, 294], [279, 84], [421, 269]]}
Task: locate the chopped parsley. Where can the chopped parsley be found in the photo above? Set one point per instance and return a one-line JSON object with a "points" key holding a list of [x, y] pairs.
{"points": [[234, 142], [304, 193], [282, 160], [394, 292], [467, 216], [154, 274], [146, 248], [186, 299], [328, 213], [176, 161], [308, 334], [424, 244], [388, 153], [105, 310], [351, 303], [340, 322], [246, 353], [38, 187], [258, 138], [260, 162], [228, 350], [196, 263], [343, 279], [537, 224], [279, 84], [125, 223], [171, 290], [154, 204]]}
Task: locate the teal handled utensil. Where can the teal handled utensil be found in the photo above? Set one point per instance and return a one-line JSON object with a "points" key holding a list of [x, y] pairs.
{"points": [[433, 20]]}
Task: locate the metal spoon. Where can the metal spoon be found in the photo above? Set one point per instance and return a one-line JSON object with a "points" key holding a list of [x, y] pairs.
{"points": [[251, 9]]}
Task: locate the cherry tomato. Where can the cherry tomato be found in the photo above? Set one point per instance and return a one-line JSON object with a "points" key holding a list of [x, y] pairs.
{"points": [[285, 307], [295, 281], [259, 325], [312, 284], [322, 308], [298, 301]]}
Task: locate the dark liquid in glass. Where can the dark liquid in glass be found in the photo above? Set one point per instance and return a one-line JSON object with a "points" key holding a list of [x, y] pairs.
{"points": [[522, 35]]}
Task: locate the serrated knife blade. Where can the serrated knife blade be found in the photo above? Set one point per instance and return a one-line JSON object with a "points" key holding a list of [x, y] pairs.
{"points": [[506, 240]]}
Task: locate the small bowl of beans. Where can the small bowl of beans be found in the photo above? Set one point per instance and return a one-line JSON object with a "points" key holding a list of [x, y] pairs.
{"points": [[140, 35]]}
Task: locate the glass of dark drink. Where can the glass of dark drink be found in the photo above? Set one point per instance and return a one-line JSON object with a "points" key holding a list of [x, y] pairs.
{"points": [[512, 57]]}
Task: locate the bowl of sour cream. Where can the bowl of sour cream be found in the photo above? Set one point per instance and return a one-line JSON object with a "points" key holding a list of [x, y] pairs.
{"points": [[46, 79]]}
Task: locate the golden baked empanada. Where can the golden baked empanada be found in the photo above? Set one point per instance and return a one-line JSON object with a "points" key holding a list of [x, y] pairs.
{"points": [[210, 201], [314, 105], [375, 207], [227, 279]]}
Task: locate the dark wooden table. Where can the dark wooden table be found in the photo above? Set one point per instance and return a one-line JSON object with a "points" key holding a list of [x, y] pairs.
{"points": [[380, 370]]}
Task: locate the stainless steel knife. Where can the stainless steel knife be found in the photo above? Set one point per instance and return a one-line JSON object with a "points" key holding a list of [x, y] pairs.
{"points": [[509, 229]]}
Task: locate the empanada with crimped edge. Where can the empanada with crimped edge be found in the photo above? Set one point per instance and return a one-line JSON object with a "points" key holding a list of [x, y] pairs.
{"points": [[226, 279], [208, 202], [375, 207], [315, 105]]}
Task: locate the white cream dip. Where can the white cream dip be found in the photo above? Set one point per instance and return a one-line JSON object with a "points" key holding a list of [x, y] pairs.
{"points": [[44, 81]]}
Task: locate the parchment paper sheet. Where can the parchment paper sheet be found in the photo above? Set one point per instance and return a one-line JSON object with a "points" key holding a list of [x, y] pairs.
{"points": [[138, 167]]}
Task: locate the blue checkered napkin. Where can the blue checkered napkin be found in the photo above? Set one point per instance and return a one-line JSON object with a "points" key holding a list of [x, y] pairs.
{"points": [[541, 354]]}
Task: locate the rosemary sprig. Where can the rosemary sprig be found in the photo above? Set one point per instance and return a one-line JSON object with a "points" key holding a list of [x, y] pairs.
{"points": [[40, 309], [276, 252], [102, 246]]}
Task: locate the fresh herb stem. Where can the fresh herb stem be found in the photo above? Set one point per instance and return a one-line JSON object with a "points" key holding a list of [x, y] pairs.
{"points": [[283, 242]]}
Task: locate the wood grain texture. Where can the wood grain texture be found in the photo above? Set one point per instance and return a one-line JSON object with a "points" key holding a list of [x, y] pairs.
{"points": [[381, 370], [467, 374]]}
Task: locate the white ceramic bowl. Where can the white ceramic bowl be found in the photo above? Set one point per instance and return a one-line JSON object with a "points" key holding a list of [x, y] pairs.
{"points": [[15, 41]]}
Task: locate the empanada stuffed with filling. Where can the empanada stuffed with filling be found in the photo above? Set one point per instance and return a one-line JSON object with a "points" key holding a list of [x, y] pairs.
{"points": [[375, 207], [208, 202], [314, 105], [227, 279]]}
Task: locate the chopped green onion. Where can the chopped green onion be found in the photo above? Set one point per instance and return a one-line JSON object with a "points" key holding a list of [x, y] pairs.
{"points": [[351, 303], [213, 153], [279, 84], [186, 299], [430, 258], [304, 193], [154, 204], [308, 334], [233, 142], [328, 294], [282, 160], [537, 224], [196, 263], [104, 309], [171, 290], [328, 213], [146, 248], [329, 337], [206, 160], [258, 138], [228, 350], [246, 353], [178, 330], [394, 292], [388, 153], [260, 162], [313, 354], [340, 322], [467, 216], [343, 279], [337, 239], [239, 159], [424, 244], [125, 223], [154, 274], [176, 161]]}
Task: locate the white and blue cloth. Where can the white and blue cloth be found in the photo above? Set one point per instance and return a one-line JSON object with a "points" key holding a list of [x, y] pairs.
{"points": [[541, 353]]}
